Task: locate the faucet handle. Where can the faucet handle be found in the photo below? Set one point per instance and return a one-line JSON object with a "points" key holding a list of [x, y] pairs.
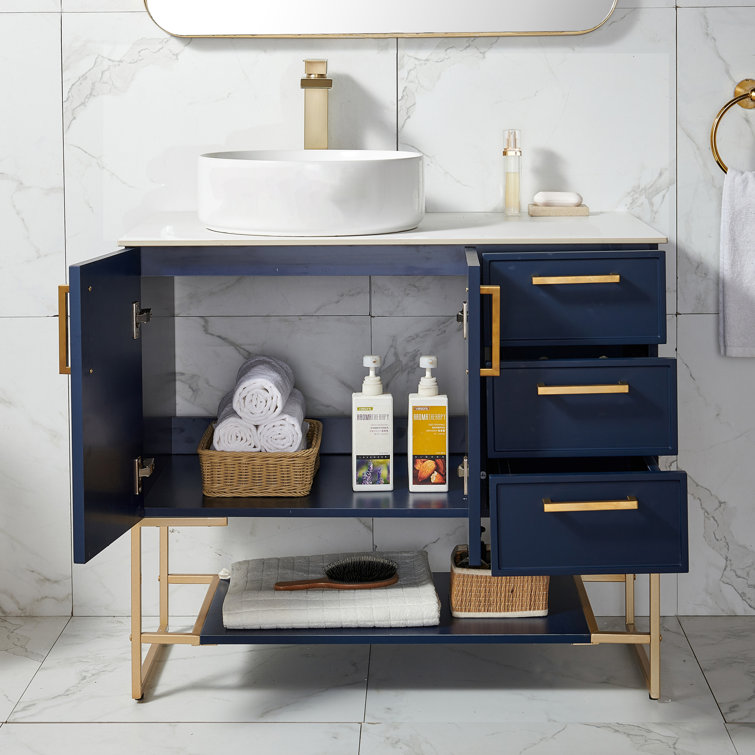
{"points": [[315, 67]]}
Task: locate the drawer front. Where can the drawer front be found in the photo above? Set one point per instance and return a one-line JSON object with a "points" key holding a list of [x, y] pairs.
{"points": [[628, 522], [583, 408], [572, 299]]}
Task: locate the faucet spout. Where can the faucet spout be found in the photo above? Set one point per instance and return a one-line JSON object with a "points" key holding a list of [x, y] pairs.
{"points": [[316, 85]]}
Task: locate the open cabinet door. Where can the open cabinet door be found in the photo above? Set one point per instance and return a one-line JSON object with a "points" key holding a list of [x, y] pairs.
{"points": [[474, 428], [106, 400]]}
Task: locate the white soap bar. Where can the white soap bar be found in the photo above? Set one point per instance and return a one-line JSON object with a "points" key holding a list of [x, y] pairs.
{"points": [[557, 199]]}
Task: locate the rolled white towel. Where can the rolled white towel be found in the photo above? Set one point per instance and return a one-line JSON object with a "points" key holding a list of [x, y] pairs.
{"points": [[232, 433], [263, 385], [287, 432]]}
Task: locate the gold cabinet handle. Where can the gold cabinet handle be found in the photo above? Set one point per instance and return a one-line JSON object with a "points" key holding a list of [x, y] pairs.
{"points": [[553, 280], [551, 507], [580, 390], [495, 315], [63, 367]]}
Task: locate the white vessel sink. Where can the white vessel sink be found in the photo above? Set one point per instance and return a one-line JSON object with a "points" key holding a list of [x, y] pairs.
{"points": [[311, 192]]}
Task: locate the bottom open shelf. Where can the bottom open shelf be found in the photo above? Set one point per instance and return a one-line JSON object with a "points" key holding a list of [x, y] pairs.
{"points": [[565, 623]]}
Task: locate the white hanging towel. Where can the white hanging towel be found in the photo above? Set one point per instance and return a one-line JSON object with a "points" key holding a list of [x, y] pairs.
{"points": [[736, 319], [263, 385], [231, 432], [288, 431]]}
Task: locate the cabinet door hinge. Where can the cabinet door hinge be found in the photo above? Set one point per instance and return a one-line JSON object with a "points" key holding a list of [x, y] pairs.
{"points": [[139, 317], [462, 317], [142, 468], [463, 471]]}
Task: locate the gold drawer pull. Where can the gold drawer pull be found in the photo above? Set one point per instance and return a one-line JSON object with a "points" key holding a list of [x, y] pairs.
{"points": [[629, 503], [556, 280], [495, 316], [580, 390], [553, 280], [63, 367]]}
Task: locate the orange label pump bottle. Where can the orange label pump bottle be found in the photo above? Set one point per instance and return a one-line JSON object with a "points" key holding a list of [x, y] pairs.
{"points": [[427, 438]]}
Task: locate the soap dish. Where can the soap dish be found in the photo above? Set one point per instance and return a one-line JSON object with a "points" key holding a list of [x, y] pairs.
{"points": [[543, 211]]}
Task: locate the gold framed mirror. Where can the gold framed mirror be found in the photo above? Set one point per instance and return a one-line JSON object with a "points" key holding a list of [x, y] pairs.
{"points": [[381, 18]]}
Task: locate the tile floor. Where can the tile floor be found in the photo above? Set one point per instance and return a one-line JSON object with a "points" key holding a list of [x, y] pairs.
{"points": [[65, 688]]}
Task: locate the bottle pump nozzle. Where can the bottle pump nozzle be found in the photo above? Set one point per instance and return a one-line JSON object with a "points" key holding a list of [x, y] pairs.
{"points": [[428, 385], [372, 385]]}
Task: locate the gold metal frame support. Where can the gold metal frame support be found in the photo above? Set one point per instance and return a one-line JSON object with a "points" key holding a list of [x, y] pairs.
{"points": [[650, 659], [141, 669]]}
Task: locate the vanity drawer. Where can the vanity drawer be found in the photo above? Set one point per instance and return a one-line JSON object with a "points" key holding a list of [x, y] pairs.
{"points": [[593, 523], [573, 298], [592, 407]]}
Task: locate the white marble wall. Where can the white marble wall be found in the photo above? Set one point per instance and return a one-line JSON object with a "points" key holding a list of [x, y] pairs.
{"points": [[126, 108]]}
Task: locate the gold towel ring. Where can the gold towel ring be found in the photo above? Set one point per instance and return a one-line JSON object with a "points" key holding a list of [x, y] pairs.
{"points": [[744, 96]]}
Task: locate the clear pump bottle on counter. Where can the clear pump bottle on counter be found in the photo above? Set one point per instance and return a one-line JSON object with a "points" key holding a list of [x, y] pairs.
{"points": [[512, 158]]}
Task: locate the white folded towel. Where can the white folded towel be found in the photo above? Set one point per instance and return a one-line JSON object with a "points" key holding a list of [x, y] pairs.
{"points": [[286, 432], [736, 319], [232, 433], [263, 385]]}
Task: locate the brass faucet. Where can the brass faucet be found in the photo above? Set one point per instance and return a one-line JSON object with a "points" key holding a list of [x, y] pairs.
{"points": [[315, 85]]}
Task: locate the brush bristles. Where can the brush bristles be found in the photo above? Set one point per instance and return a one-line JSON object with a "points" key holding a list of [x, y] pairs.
{"points": [[359, 569]]}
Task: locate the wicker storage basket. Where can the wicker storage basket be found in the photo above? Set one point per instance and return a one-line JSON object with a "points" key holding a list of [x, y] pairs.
{"points": [[241, 474], [475, 593]]}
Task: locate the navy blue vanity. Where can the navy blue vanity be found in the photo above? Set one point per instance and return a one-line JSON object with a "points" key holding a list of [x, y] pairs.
{"points": [[569, 408]]}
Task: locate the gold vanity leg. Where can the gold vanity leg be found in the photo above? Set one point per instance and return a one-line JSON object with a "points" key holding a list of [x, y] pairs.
{"points": [[629, 599], [140, 670], [164, 580], [654, 650], [136, 613]]}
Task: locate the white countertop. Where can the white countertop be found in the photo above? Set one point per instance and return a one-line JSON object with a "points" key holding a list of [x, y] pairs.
{"points": [[476, 228]]}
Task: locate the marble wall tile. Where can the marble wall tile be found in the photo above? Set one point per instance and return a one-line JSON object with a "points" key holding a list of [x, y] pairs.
{"points": [[181, 739], [716, 449], [394, 295], [29, 6], [140, 106], [724, 648], [102, 6], [35, 543], [402, 340], [456, 97], [714, 54], [31, 165], [248, 296], [436, 536], [102, 586], [544, 738], [325, 354], [743, 737], [24, 643]]}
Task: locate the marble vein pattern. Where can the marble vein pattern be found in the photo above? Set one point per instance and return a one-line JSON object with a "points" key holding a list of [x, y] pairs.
{"points": [[714, 52], [140, 106], [716, 446], [35, 546], [398, 295], [266, 683], [179, 739], [521, 684], [546, 738], [259, 296], [437, 536], [324, 352], [24, 643], [618, 157], [102, 586], [31, 165], [724, 648], [402, 340]]}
